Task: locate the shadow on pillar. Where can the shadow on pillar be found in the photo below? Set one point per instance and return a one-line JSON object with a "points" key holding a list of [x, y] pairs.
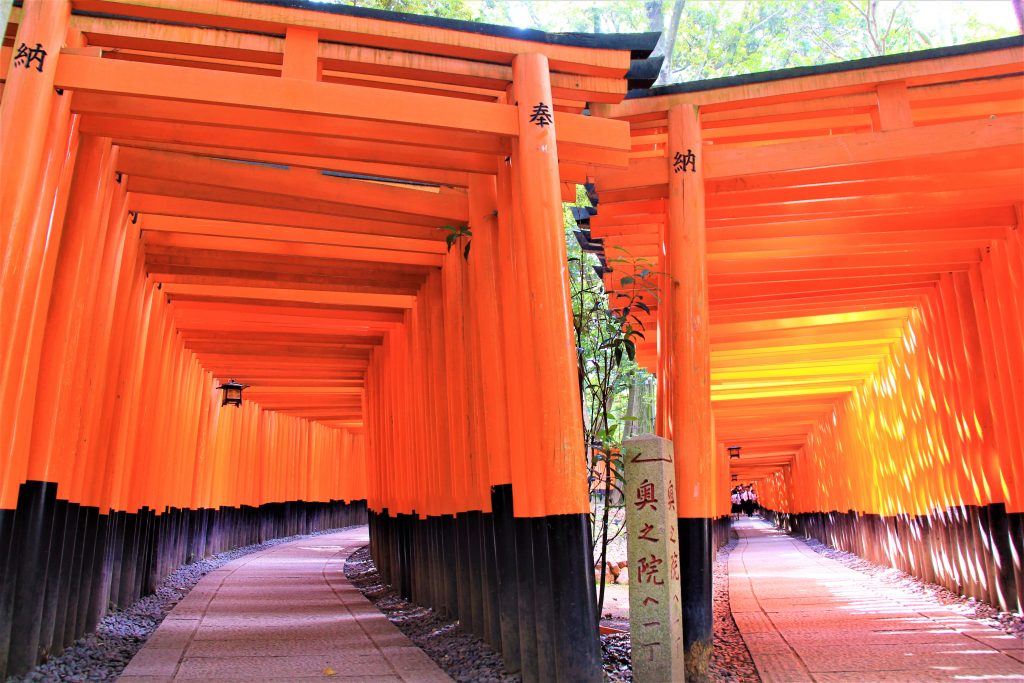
{"points": [[523, 585], [969, 549], [63, 565]]}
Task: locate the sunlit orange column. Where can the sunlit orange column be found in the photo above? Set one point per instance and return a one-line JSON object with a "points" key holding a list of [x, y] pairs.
{"points": [[51, 460], [25, 114], [560, 447], [689, 378], [27, 130], [562, 567], [484, 288]]}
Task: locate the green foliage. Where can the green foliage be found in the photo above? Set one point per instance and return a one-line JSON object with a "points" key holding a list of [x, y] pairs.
{"points": [[606, 334], [456, 234]]}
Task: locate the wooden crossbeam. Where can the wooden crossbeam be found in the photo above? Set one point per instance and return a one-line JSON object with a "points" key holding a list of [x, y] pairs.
{"points": [[442, 203], [391, 35]]}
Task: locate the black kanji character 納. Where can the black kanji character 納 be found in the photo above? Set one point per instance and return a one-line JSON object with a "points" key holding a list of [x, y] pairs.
{"points": [[26, 55], [681, 161]]}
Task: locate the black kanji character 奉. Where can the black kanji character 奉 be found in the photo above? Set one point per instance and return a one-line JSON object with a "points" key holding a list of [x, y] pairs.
{"points": [[26, 55], [541, 115]]}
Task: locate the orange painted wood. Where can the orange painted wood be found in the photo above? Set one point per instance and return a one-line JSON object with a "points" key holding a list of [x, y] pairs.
{"points": [[535, 168], [689, 337]]}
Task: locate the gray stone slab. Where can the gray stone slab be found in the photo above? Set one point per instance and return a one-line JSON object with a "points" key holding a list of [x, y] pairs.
{"points": [[780, 668], [840, 625], [652, 543], [295, 666], [285, 614], [154, 661]]}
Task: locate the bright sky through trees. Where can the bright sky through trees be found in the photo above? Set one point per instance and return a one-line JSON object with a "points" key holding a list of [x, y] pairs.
{"points": [[715, 38]]}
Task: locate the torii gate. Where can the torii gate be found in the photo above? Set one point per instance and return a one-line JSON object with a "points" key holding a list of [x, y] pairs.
{"points": [[200, 191], [813, 227]]}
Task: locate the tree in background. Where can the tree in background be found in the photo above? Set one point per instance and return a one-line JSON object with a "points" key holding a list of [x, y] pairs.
{"points": [[705, 39], [612, 386]]}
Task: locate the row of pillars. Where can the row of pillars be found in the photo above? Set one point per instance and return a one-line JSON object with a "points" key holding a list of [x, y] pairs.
{"points": [[35, 124]]}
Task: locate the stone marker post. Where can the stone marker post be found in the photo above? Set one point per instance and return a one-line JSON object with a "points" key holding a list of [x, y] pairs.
{"points": [[652, 542]]}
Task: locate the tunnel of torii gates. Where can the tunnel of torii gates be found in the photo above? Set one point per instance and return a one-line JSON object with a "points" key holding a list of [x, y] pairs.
{"points": [[199, 191]]}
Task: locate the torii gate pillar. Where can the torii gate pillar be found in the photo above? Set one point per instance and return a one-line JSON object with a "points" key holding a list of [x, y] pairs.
{"points": [[688, 377]]}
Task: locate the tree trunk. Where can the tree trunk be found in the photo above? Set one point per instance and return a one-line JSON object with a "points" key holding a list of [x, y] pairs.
{"points": [[633, 408], [667, 45]]}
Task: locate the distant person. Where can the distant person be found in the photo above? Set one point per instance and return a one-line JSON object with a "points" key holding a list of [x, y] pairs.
{"points": [[746, 502], [736, 502]]}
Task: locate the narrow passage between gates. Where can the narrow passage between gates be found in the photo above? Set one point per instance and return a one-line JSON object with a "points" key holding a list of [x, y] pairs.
{"points": [[283, 614], [806, 617]]}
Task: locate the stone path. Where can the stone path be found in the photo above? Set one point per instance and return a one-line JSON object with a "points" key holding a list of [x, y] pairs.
{"points": [[283, 614], [805, 617]]}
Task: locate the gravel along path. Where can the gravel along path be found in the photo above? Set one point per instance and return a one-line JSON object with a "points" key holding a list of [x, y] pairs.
{"points": [[730, 661], [462, 655], [1013, 624], [103, 655]]}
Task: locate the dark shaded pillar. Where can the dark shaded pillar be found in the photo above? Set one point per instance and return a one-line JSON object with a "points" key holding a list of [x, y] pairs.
{"points": [[33, 524]]}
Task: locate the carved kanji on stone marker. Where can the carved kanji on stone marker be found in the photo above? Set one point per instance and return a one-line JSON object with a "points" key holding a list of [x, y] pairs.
{"points": [[655, 607], [647, 570], [645, 496]]}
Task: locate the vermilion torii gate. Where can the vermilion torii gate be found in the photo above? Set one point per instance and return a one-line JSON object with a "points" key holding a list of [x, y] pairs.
{"points": [[841, 263], [194, 192]]}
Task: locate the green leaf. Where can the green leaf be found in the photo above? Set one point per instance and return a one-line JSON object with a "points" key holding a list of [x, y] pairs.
{"points": [[626, 281], [465, 253]]}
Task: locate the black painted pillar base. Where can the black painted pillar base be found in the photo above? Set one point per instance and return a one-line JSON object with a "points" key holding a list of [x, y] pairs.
{"points": [[523, 585], [6, 586], [695, 550], [33, 524], [504, 540], [62, 565]]}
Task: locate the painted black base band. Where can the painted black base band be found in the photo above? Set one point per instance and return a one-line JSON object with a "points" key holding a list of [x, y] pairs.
{"points": [[695, 552], [62, 566], [523, 585], [967, 549]]}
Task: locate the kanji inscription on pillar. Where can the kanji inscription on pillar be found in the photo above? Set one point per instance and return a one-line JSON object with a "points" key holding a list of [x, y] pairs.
{"points": [[655, 603], [681, 162], [541, 115], [27, 56]]}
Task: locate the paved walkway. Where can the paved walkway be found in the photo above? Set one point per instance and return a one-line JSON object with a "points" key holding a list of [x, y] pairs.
{"points": [[283, 614], [805, 617]]}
